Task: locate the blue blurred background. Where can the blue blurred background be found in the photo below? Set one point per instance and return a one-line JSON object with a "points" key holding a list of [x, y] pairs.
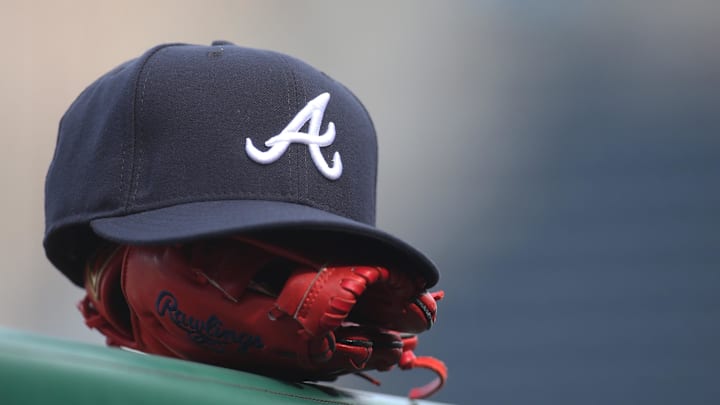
{"points": [[558, 160]]}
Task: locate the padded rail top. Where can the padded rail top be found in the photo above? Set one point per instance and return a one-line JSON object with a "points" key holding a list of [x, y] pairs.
{"points": [[36, 369]]}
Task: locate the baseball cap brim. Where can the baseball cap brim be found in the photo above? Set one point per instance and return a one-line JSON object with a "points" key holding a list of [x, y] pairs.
{"points": [[192, 221]]}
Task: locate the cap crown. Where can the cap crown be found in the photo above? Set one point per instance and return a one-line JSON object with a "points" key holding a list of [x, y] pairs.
{"points": [[177, 124]]}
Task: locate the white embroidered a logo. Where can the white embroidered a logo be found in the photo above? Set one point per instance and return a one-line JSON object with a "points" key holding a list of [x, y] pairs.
{"points": [[278, 144]]}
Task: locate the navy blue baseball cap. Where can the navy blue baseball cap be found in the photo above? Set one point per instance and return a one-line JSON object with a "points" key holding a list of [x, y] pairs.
{"points": [[189, 142]]}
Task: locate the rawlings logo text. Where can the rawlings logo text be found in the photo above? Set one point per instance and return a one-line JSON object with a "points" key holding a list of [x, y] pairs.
{"points": [[209, 332]]}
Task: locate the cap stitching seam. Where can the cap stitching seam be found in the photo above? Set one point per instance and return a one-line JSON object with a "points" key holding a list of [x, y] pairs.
{"points": [[294, 151], [305, 172], [287, 74], [137, 135], [298, 172]]}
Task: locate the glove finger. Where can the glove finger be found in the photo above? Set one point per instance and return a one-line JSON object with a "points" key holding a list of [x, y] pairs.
{"points": [[397, 303], [366, 348], [323, 300]]}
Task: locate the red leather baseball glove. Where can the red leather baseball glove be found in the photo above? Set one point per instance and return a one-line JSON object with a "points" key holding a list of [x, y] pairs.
{"points": [[248, 305]]}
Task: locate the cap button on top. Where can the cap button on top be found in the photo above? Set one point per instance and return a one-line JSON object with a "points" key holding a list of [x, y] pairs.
{"points": [[220, 42]]}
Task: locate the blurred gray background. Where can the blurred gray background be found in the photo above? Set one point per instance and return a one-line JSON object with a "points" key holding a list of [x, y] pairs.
{"points": [[558, 160]]}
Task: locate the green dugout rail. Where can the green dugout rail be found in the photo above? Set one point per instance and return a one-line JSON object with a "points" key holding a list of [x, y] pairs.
{"points": [[42, 370]]}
